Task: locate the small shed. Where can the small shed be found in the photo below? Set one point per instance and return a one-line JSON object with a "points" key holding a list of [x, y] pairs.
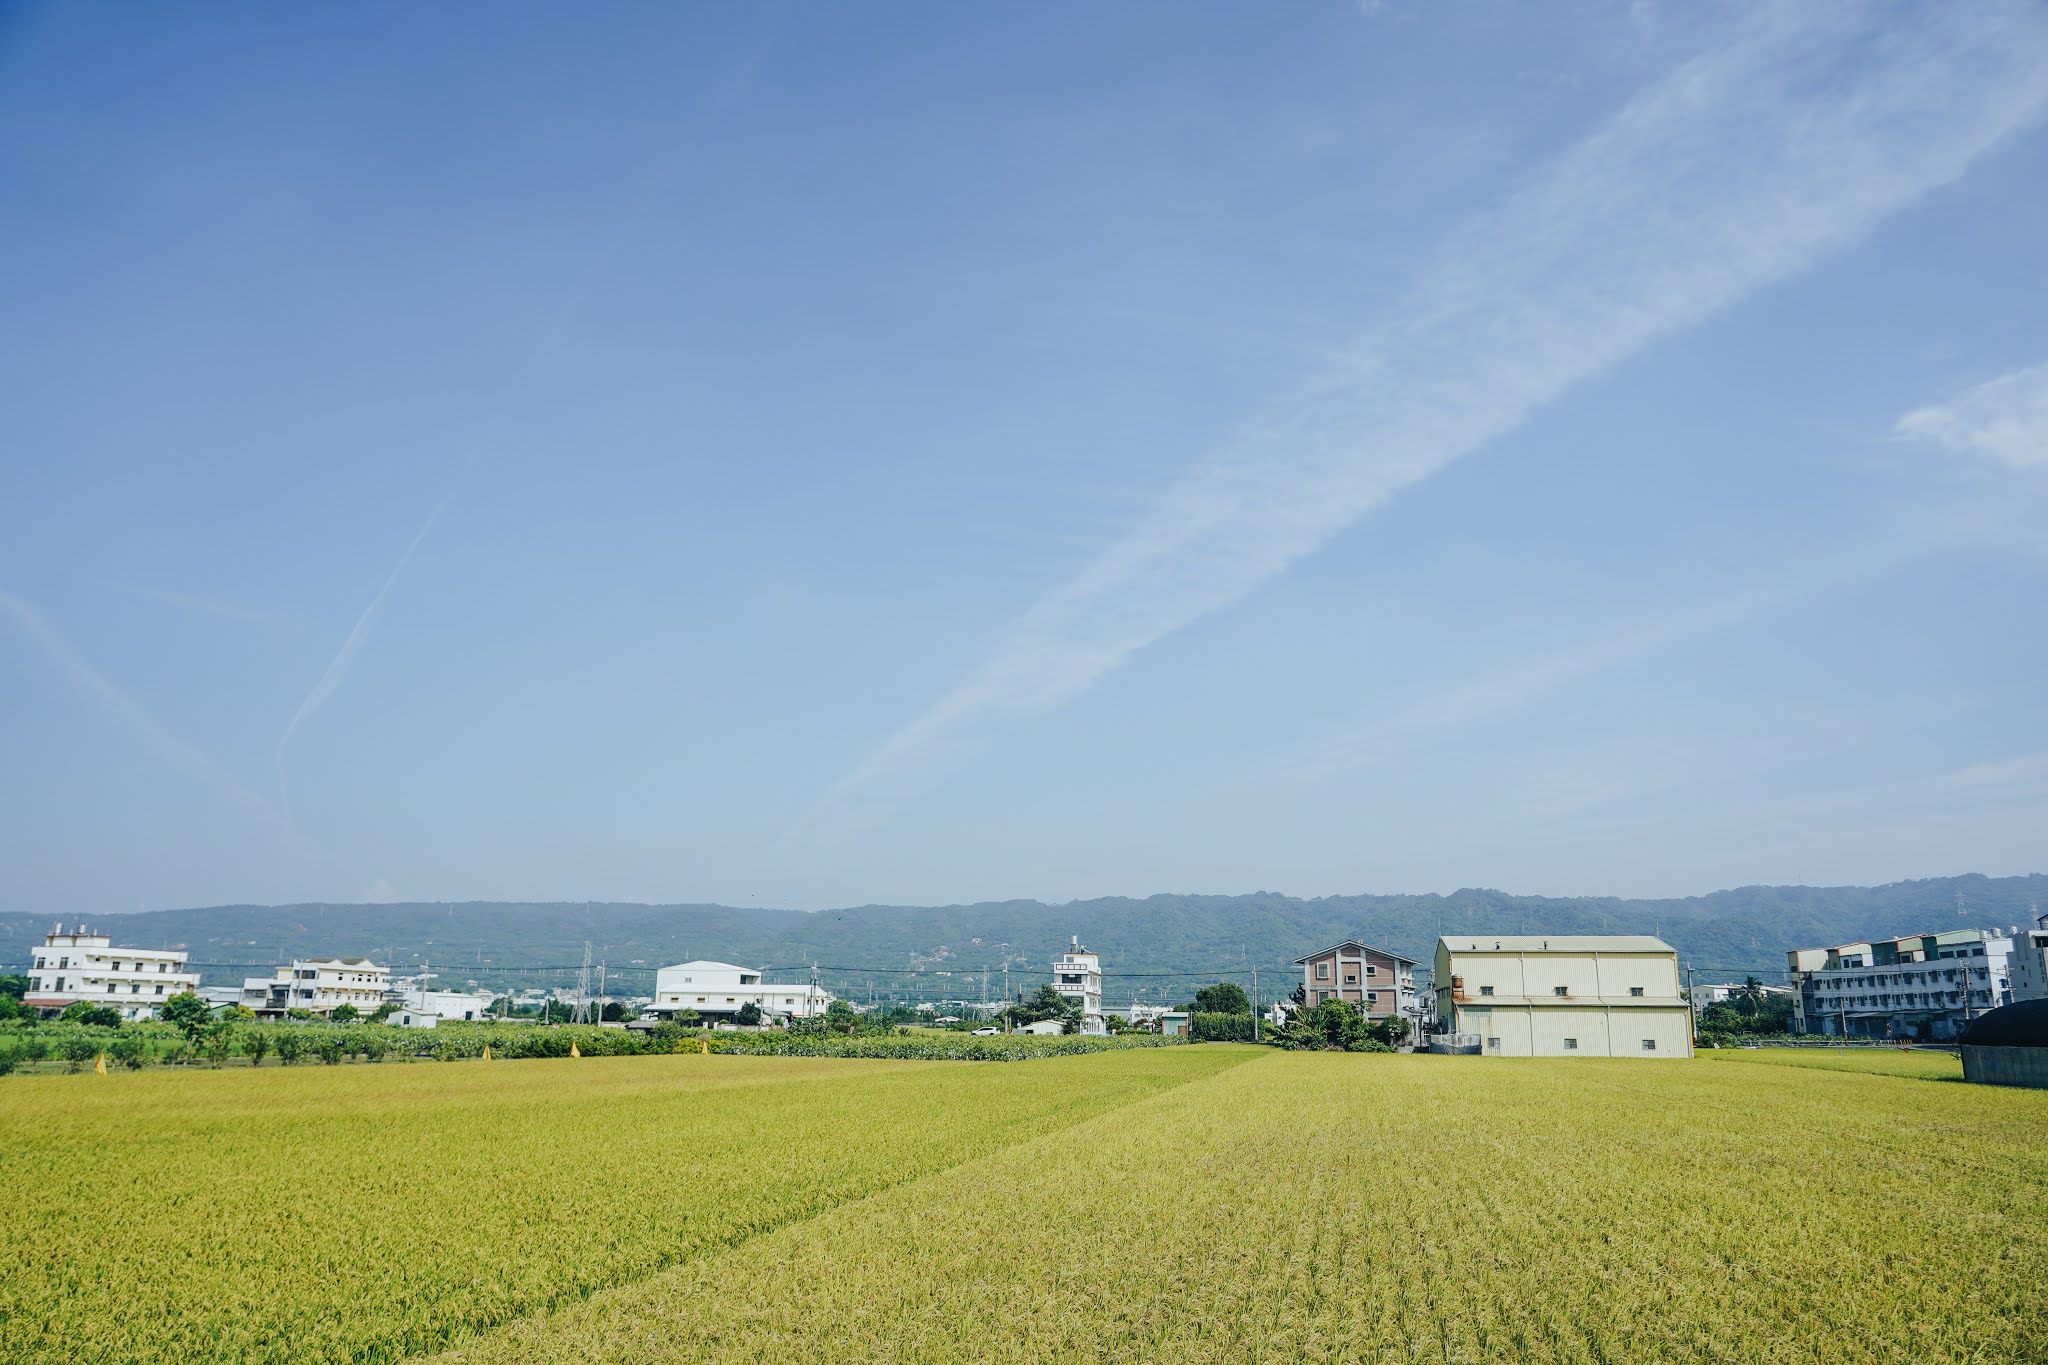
{"points": [[2008, 1046], [1174, 1024]]}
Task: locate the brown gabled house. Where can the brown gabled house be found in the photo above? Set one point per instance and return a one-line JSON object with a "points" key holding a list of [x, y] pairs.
{"points": [[1377, 981]]}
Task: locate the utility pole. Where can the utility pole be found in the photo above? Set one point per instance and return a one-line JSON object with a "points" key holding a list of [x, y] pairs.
{"points": [[600, 994], [1006, 995], [1692, 1010], [1255, 1004]]}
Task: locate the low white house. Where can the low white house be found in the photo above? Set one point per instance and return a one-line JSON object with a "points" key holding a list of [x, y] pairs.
{"points": [[1042, 1026], [320, 984], [1562, 995], [719, 990], [82, 965], [425, 1009]]}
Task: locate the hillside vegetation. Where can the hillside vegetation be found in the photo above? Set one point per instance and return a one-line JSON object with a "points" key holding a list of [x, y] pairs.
{"points": [[1726, 934]]}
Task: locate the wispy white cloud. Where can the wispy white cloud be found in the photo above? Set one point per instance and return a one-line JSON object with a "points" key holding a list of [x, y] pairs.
{"points": [[2005, 419], [345, 657], [1740, 168], [128, 712]]}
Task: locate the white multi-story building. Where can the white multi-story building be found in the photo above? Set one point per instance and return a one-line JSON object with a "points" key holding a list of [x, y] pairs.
{"points": [[1922, 986], [1077, 975], [2028, 965], [82, 965], [1580, 995], [320, 984], [719, 990]]}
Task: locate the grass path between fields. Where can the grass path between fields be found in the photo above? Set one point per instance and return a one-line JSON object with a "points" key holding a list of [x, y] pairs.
{"points": [[327, 1214], [1333, 1208]]}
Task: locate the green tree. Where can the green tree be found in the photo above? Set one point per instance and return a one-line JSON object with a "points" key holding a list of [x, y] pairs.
{"points": [[13, 986], [187, 1012], [291, 1045], [749, 1014], [78, 1050], [130, 1049], [11, 1008], [257, 1046], [330, 1050], [1225, 997], [241, 1014], [841, 1017], [383, 1011], [216, 1040], [345, 1014], [95, 1016]]}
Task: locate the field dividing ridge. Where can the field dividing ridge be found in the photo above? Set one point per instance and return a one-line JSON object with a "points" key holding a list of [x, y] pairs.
{"points": [[370, 1213]]}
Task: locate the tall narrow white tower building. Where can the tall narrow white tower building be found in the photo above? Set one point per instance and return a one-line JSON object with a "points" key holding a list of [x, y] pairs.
{"points": [[1078, 976]]}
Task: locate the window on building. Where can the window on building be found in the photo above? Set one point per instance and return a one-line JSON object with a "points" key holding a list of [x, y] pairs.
{"points": [[1571, 1045], [1486, 990], [1561, 990], [1493, 1042], [1372, 997], [1635, 990], [1351, 978], [1649, 1044], [159, 988], [1322, 971], [1371, 970]]}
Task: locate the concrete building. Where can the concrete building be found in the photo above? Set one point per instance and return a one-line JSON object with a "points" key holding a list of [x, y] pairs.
{"points": [[1923, 986], [424, 1009], [82, 965], [1078, 976], [2027, 967], [320, 984], [1042, 1026], [1379, 982], [1562, 995], [1723, 992], [719, 990]]}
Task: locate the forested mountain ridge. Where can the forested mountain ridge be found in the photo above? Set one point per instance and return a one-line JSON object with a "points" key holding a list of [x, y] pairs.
{"points": [[940, 951]]}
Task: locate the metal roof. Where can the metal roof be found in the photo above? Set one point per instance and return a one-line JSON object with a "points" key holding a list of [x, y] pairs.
{"points": [[1555, 943]]}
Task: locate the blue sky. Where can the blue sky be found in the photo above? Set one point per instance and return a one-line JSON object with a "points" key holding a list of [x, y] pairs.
{"points": [[809, 455]]}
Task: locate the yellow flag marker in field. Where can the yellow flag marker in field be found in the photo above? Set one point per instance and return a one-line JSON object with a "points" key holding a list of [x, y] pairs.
{"points": [[100, 1066], [487, 1052], [575, 1051], [704, 1046]]}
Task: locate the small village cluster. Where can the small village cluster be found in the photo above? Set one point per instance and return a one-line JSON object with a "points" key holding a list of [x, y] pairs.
{"points": [[1526, 995]]}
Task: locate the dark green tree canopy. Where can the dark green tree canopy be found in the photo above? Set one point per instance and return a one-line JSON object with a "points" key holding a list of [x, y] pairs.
{"points": [[1225, 997], [188, 1012]]}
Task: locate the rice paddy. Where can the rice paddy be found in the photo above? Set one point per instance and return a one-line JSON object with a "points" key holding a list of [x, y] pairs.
{"points": [[1191, 1204]]}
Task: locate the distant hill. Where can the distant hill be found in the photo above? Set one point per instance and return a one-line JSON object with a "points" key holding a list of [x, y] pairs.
{"points": [[1153, 948]]}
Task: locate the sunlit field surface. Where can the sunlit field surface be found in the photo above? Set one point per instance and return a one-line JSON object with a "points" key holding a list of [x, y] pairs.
{"points": [[365, 1213], [1329, 1207], [1938, 1066]]}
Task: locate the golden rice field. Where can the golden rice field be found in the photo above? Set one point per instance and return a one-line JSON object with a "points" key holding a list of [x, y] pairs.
{"points": [[1187, 1204], [1869, 1061]]}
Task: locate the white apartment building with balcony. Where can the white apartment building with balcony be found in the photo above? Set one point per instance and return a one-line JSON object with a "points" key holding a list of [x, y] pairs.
{"points": [[720, 990], [1922, 986], [319, 984], [82, 965], [1077, 975], [1562, 995], [2028, 965]]}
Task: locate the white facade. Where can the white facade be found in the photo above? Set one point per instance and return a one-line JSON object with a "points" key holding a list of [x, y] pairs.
{"points": [[1922, 986], [1703, 995], [319, 984], [424, 1009], [76, 966], [1078, 976], [720, 989], [1043, 1026], [2028, 965], [1584, 995]]}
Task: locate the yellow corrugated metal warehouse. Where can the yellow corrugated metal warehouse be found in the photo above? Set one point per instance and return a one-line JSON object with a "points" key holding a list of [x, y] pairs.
{"points": [[1583, 995]]}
